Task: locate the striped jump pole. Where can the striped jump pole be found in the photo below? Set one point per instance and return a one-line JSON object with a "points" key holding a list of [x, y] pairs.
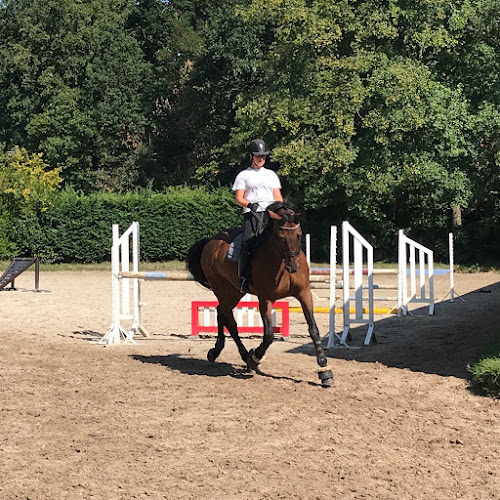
{"points": [[158, 275], [317, 273], [452, 267]]}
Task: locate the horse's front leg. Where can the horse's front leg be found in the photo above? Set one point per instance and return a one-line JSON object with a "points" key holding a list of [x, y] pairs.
{"points": [[255, 355], [325, 373]]}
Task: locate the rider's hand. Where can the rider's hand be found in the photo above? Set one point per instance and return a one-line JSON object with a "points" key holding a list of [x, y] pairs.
{"points": [[253, 207]]}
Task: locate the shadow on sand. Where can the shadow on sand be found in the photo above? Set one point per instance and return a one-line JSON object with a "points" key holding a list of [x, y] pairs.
{"points": [[443, 344], [193, 366]]}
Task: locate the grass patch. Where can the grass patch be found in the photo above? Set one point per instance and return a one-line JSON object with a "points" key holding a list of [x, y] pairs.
{"points": [[173, 265], [476, 268], [486, 372], [178, 265]]}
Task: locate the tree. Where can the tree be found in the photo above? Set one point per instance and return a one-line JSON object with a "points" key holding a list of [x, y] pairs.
{"points": [[26, 187], [361, 124], [73, 77]]}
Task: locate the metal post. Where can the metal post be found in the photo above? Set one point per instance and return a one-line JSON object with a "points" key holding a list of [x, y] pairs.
{"points": [[308, 249], [452, 266], [431, 282], [332, 336], [345, 278], [401, 269], [37, 274]]}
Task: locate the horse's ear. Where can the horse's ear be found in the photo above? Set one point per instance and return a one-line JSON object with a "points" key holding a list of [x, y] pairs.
{"points": [[274, 215]]}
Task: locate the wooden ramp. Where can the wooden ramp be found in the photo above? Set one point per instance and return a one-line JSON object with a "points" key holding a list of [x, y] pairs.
{"points": [[17, 266]]}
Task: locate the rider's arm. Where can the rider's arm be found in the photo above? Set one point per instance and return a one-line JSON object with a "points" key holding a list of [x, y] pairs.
{"points": [[240, 198], [277, 194]]}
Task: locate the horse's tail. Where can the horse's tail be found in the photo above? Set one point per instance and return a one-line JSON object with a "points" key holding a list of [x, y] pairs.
{"points": [[193, 261]]}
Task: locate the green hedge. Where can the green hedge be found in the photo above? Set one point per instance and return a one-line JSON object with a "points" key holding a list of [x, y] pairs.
{"points": [[77, 228]]}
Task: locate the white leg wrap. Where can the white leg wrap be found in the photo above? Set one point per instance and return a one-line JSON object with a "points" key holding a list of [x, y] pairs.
{"points": [[324, 369]]}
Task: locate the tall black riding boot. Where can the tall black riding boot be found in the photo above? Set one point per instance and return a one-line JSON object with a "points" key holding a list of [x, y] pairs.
{"points": [[244, 269]]}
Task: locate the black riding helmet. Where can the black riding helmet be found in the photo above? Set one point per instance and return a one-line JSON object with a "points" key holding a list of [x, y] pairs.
{"points": [[258, 147]]}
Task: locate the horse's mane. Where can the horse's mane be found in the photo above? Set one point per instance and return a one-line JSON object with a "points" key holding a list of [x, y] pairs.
{"points": [[277, 205], [287, 207]]}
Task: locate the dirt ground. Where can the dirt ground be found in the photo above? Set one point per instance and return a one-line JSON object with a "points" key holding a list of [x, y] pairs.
{"points": [[157, 420]]}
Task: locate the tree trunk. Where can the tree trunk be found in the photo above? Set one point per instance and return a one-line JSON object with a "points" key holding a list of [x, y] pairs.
{"points": [[457, 215]]}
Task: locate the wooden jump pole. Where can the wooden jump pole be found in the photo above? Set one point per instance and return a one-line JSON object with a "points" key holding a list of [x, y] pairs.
{"points": [[352, 310], [158, 275], [326, 271]]}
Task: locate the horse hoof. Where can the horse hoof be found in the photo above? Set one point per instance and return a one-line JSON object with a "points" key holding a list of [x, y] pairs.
{"points": [[252, 361], [211, 355], [326, 377]]}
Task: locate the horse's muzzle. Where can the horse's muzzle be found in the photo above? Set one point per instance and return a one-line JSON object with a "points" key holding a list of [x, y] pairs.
{"points": [[292, 261]]}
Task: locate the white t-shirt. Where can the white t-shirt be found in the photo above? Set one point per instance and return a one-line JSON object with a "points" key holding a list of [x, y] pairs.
{"points": [[258, 185]]}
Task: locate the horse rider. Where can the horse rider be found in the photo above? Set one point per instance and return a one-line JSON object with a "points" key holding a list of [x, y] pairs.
{"points": [[255, 189]]}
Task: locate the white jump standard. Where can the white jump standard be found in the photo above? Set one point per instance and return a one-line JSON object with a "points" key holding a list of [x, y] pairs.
{"points": [[407, 257], [120, 262], [121, 275], [361, 247]]}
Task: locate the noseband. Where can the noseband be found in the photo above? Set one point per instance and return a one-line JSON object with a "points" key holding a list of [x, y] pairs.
{"points": [[293, 228]]}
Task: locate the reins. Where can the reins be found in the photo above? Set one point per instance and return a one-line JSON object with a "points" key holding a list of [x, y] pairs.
{"points": [[293, 253]]}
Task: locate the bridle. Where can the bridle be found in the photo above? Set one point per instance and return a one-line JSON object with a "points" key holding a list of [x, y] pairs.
{"points": [[286, 254], [293, 228], [293, 253]]}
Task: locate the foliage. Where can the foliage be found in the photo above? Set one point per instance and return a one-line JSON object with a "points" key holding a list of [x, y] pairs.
{"points": [[385, 113], [77, 228], [486, 372], [27, 178], [7, 247], [26, 189], [72, 81], [361, 126]]}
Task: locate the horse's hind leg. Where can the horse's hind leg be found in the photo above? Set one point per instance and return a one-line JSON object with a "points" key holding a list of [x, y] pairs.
{"points": [[213, 353], [225, 318], [255, 355], [233, 331]]}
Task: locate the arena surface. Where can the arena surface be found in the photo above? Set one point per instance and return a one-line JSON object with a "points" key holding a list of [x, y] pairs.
{"points": [[156, 420]]}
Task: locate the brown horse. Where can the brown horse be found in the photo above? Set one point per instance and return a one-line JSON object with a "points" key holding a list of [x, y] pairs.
{"points": [[279, 270]]}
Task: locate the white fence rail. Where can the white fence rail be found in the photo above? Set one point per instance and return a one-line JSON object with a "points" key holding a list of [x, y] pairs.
{"points": [[413, 255]]}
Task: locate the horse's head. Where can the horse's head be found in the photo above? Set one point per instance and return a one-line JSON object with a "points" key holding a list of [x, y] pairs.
{"points": [[288, 232]]}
